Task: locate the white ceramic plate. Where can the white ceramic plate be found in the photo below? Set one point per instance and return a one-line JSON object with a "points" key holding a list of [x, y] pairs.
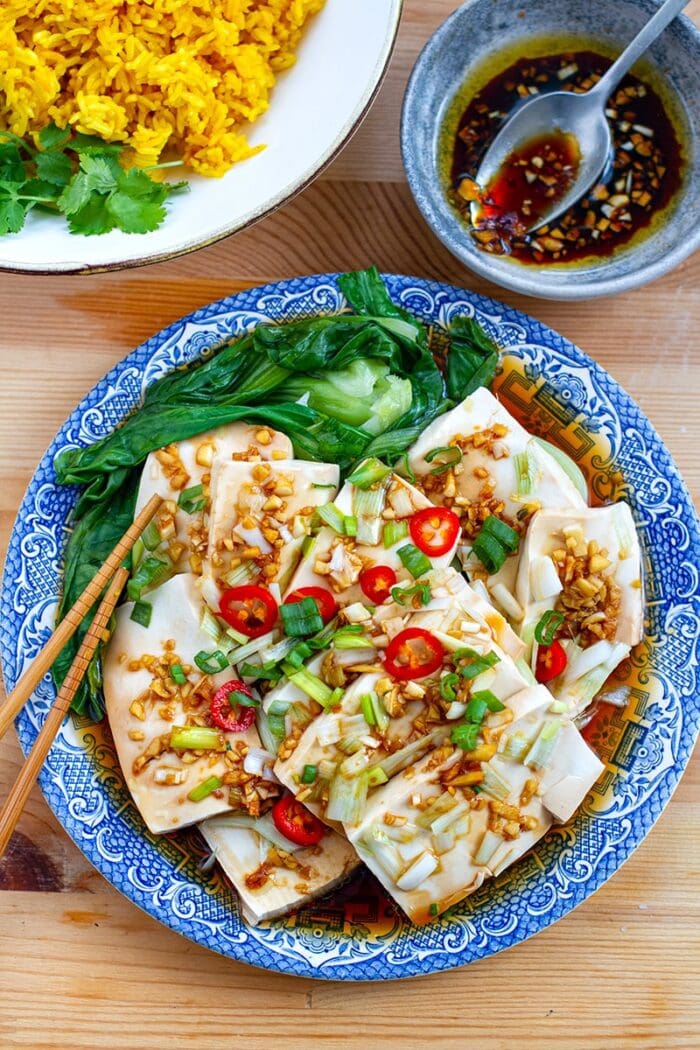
{"points": [[315, 108]]}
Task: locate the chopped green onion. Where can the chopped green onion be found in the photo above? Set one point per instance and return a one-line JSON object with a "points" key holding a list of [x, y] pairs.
{"points": [[150, 572], [489, 844], [523, 473], [299, 653], [336, 696], [540, 753], [137, 553], [490, 699], [210, 625], [368, 473], [301, 618], [414, 560], [211, 663], [352, 641], [547, 627], [405, 756], [489, 551], [309, 774], [394, 531], [269, 672], [347, 798], [376, 776], [465, 735], [403, 467], [310, 684], [332, 516], [494, 783], [192, 500], [308, 544], [277, 726], [350, 525], [368, 505], [506, 536], [151, 536], [403, 595], [476, 710], [203, 790], [450, 456], [477, 665], [177, 674], [433, 909], [368, 710], [195, 738], [240, 575], [447, 685], [141, 613], [325, 485], [238, 699]]}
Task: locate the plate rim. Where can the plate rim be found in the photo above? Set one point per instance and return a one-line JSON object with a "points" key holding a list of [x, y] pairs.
{"points": [[363, 969]]}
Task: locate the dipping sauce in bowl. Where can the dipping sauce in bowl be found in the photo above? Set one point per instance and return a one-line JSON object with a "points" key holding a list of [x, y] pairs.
{"points": [[639, 182]]}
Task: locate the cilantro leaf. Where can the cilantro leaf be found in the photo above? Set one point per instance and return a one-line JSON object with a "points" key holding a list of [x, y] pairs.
{"points": [[100, 173], [12, 167], [92, 218], [52, 137], [87, 144], [55, 168], [139, 184], [76, 194], [12, 215], [134, 215]]}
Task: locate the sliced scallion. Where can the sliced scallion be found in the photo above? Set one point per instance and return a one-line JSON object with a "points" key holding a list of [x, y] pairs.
{"points": [[367, 506], [394, 531], [414, 560], [476, 710], [141, 613], [151, 536], [539, 755], [309, 774], [523, 473], [310, 684], [211, 663], [192, 500], [203, 790], [404, 595], [447, 686], [490, 699], [195, 738], [177, 674], [347, 797], [331, 515], [465, 735], [368, 473], [446, 456], [547, 627], [150, 573], [301, 618]]}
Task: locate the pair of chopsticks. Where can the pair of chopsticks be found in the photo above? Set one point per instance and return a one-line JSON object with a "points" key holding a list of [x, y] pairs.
{"points": [[16, 700]]}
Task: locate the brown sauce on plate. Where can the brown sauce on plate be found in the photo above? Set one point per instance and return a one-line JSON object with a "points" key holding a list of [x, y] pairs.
{"points": [[639, 182]]}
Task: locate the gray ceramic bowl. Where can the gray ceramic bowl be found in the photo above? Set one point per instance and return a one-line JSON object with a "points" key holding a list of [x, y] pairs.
{"points": [[482, 28]]}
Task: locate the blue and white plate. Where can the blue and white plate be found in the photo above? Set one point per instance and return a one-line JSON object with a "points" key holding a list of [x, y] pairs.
{"points": [[356, 934]]}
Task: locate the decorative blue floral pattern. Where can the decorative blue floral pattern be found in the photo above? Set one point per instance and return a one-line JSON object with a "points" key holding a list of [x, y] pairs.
{"points": [[653, 740]]}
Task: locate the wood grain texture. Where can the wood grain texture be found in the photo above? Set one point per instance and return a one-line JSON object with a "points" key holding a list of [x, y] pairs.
{"points": [[83, 968]]}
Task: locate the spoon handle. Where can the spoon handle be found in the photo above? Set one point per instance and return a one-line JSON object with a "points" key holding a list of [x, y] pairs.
{"points": [[654, 27]]}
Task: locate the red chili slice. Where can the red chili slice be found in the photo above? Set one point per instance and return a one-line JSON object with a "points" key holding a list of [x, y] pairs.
{"points": [[234, 718], [296, 823], [376, 582], [249, 609], [434, 530], [413, 653], [327, 605], [551, 661]]}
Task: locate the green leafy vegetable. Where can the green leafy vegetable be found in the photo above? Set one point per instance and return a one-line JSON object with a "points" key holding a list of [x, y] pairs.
{"points": [[81, 177], [472, 360]]}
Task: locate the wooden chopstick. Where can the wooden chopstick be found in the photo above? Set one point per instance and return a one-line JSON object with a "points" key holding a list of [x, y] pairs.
{"points": [[73, 618], [52, 723]]}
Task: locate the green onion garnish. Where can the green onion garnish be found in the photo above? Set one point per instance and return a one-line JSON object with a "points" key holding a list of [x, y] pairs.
{"points": [[404, 595], [150, 572], [494, 542], [447, 686], [177, 674], [192, 500], [352, 641], [449, 455], [414, 560], [195, 738], [322, 485], [403, 467], [433, 909], [368, 473], [505, 535], [350, 525], [332, 516], [301, 618], [203, 790], [465, 735], [270, 672], [211, 663], [394, 531], [368, 710], [523, 475], [310, 684], [238, 699], [299, 653], [490, 699], [275, 724], [141, 613], [151, 536], [475, 710], [477, 665], [546, 629], [309, 774]]}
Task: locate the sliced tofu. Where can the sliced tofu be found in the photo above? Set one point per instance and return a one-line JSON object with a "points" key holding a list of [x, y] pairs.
{"points": [[618, 558], [274, 890], [337, 561], [137, 720], [497, 454], [427, 864], [183, 465], [260, 515]]}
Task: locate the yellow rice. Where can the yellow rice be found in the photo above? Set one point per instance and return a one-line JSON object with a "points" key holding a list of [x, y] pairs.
{"points": [[155, 74]]}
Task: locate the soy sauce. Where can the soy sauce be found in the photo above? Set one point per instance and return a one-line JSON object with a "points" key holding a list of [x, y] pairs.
{"points": [[645, 173]]}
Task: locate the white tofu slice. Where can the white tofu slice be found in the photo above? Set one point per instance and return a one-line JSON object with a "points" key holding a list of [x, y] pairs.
{"points": [[265, 506], [175, 616], [548, 484], [428, 867], [241, 852], [193, 460], [336, 561], [538, 585]]}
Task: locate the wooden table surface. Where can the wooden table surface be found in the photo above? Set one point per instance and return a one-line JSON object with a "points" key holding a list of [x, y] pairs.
{"points": [[82, 967]]}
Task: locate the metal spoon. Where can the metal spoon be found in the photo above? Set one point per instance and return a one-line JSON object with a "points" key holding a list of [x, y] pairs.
{"points": [[582, 116]]}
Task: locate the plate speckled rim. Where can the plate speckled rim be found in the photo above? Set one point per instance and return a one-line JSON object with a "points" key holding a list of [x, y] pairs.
{"points": [[574, 400]]}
